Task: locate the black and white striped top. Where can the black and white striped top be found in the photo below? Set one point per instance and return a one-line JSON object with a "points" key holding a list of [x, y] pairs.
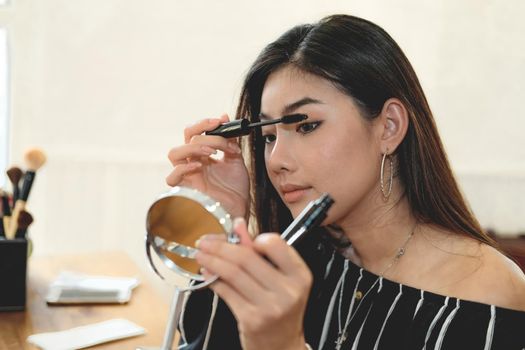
{"points": [[381, 314]]}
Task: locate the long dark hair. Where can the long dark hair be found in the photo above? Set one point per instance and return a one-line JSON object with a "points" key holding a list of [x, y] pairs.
{"points": [[365, 63]]}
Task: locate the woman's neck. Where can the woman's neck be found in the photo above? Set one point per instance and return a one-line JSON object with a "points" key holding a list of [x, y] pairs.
{"points": [[378, 231]]}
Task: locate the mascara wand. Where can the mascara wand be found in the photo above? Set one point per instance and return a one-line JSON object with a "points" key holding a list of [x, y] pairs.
{"points": [[242, 127]]}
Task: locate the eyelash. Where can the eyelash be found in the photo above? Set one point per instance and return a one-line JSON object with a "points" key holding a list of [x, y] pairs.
{"points": [[300, 129], [314, 126]]}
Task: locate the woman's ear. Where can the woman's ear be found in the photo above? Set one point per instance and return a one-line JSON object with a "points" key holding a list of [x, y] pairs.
{"points": [[392, 125]]}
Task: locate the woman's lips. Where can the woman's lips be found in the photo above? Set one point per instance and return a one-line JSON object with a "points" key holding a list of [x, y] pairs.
{"points": [[294, 195]]}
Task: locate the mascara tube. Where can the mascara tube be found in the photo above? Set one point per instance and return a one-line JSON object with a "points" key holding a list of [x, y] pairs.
{"points": [[311, 216]]}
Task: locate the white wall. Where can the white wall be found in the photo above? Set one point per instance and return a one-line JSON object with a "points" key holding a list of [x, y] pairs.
{"points": [[106, 86], [4, 106]]}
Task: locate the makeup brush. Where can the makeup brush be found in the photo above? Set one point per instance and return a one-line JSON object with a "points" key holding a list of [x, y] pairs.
{"points": [[2, 231], [6, 211], [24, 220], [34, 158], [15, 174]]}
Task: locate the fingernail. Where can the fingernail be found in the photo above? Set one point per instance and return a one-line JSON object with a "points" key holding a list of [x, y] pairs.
{"points": [[238, 221], [208, 150], [202, 243], [194, 165], [206, 273]]}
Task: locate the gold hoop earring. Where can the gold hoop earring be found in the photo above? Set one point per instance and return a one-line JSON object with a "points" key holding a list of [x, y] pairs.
{"points": [[386, 194]]}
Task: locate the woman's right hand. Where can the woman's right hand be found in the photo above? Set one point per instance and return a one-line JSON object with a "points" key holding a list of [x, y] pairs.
{"points": [[225, 180]]}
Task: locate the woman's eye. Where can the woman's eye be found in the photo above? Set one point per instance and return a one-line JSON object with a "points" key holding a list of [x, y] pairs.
{"points": [[268, 138], [306, 128]]}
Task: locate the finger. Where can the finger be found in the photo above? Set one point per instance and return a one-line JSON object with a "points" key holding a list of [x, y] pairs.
{"points": [[246, 258], [178, 173], [179, 155], [217, 142], [231, 274], [236, 301], [219, 237], [202, 126], [282, 255], [241, 229], [234, 149]]}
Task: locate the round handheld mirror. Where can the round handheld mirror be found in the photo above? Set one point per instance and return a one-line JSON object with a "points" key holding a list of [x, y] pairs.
{"points": [[180, 217], [175, 221]]}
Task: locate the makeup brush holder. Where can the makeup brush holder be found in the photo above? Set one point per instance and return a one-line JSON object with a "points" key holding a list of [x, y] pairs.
{"points": [[13, 272]]}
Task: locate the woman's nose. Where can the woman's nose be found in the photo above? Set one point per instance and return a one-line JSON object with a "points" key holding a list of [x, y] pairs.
{"points": [[280, 156]]}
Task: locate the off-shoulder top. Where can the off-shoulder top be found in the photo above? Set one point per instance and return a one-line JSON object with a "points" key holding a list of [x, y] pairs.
{"points": [[381, 314]]}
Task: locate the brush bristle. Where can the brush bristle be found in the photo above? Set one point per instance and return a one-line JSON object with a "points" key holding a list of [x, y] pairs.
{"points": [[14, 174], [24, 220], [35, 158]]}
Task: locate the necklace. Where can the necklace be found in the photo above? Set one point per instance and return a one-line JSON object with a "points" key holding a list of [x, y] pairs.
{"points": [[343, 334]]}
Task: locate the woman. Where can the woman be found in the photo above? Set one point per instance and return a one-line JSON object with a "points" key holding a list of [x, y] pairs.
{"points": [[400, 263]]}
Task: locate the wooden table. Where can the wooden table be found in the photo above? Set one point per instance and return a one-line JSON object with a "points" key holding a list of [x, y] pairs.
{"points": [[145, 308]]}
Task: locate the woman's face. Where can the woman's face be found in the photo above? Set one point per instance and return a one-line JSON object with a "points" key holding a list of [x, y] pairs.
{"points": [[334, 151]]}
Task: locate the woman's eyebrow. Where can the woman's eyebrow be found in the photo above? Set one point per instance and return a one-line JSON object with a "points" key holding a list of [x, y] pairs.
{"points": [[290, 108]]}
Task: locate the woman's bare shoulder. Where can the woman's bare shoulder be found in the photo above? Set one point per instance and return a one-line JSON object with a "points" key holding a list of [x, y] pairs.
{"points": [[498, 280], [470, 270]]}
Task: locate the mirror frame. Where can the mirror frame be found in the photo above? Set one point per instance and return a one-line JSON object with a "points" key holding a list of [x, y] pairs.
{"points": [[159, 244]]}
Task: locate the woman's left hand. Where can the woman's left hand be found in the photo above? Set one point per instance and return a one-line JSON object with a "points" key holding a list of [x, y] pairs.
{"points": [[267, 296]]}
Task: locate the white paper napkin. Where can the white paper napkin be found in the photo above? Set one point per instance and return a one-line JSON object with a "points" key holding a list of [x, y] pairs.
{"points": [[82, 337], [82, 281], [71, 287]]}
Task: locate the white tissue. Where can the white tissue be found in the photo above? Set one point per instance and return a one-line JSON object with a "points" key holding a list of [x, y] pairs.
{"points": [[71, 287], [82, 337]]}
